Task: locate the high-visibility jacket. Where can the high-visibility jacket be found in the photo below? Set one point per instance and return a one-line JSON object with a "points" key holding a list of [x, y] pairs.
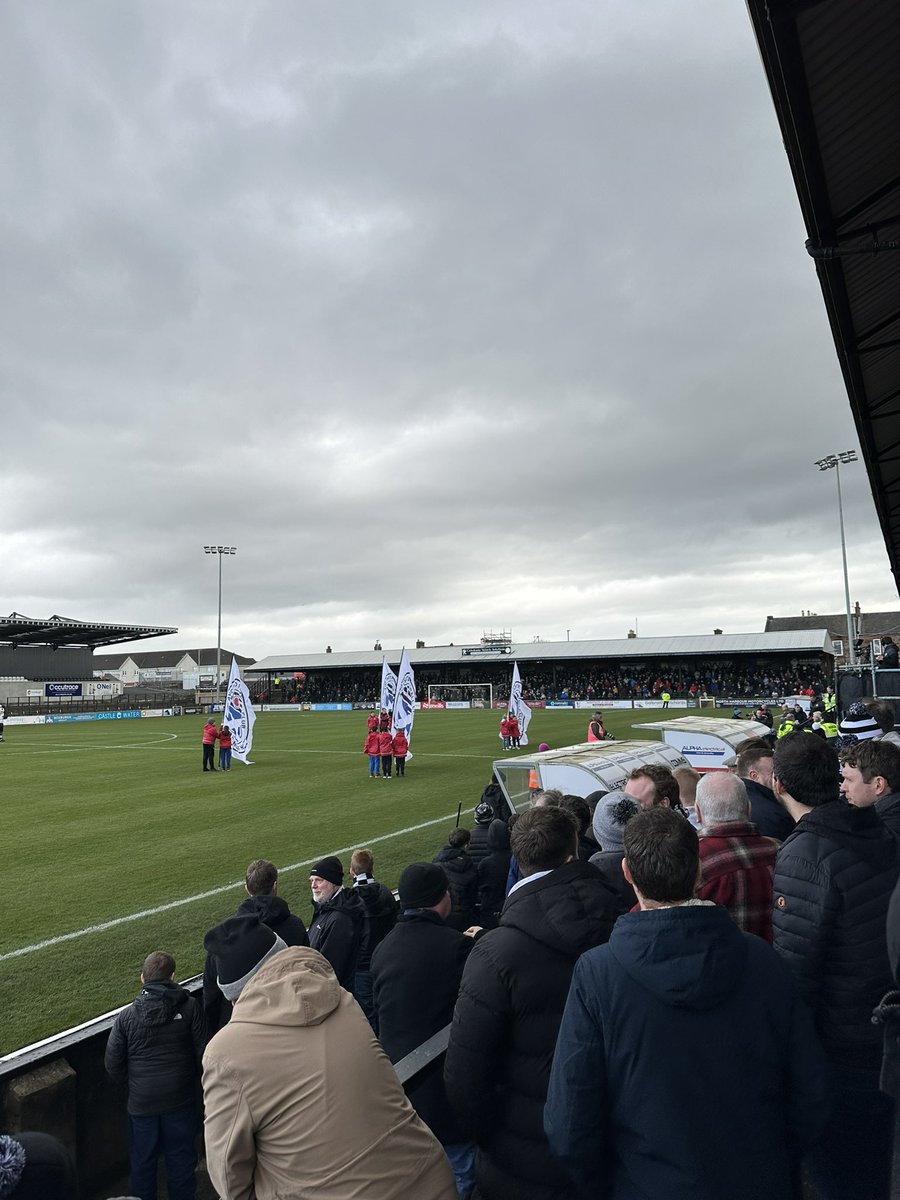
{"points": [[829, 728], [591, 735], [830, 702], [786, 727]]}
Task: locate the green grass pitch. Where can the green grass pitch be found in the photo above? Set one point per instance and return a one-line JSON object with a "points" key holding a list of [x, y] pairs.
{"points": [[107, 820]]}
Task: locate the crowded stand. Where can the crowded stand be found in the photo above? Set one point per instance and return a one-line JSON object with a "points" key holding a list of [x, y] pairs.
{"points": [[565, 683], [740, 928]]}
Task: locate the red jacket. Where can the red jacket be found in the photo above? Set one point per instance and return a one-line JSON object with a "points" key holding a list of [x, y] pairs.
{"points": [[736, 869], [504, 728], [372, 723], [209, 735], [224, 736], [513, 727], [401, 744], [385, 743], [372, 743]]}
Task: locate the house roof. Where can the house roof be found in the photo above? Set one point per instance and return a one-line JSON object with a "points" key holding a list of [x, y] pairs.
{"points": [[18, 630], [811, 641], [167, 658], [870, 625], [832, 68]]}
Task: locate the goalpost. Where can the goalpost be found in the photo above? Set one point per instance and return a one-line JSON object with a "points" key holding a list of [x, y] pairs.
{"points": [[475, 695]]}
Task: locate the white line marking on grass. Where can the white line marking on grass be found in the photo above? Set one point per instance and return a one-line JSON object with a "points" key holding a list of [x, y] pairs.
{"points": [[62, 748], [216, 891]]}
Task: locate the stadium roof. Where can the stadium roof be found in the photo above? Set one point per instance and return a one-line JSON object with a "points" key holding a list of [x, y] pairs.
{"points": [[166, 658], [832, 67], [809, 641], [16, 630]]}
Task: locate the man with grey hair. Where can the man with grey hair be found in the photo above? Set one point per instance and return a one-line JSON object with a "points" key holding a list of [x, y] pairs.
{"points": [[737, 864]]}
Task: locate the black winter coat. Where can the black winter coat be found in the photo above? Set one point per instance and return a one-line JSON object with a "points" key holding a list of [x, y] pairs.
{"points": [[505, 1024], [888, 808], [156, 1046], [272, 911], [492, 873], [462, 876], [415, 977], [478, 848], [770, 819], [609, 864], [833, 882], [380, 918], [336, 932]]}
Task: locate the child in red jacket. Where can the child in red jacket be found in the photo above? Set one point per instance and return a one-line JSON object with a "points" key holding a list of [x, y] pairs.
{"points": [[401, 749], [224, 736], [386, 750], [514, 732], [373, 750]]}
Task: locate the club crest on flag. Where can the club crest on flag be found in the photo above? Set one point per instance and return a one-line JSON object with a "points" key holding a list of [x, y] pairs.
{"points": [[404, 711], [239, 715], [518, 707]]}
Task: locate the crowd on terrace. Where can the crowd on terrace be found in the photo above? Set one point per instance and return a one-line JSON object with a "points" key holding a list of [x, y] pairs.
{"points": [[599, 681], [727, 947]]}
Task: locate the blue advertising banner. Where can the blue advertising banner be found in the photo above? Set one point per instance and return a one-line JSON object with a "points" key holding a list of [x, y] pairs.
{"points": [[55, 720], [331, 707], [62, 689], [118, 716]]}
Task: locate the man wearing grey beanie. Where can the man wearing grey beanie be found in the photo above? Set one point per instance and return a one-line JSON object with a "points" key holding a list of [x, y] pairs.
{"points": [[611, 816]]}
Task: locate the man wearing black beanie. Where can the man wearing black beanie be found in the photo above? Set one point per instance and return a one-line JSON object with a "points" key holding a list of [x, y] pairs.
{"points": [[338, 919]]}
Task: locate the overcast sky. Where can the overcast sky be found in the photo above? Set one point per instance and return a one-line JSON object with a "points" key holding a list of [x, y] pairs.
{"points": [[451, 316]]}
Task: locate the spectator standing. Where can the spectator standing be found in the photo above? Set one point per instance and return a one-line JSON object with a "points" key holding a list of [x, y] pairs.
{"points": [[833, 882], [462, 874], [682, 1011], [492, 874], [386, 750], [415, 973], [373, 749], [299, 1098], [736, 863], [336, 930], [687, 779], [870, 776], [889, 658], [156, 1047], [224, 736], [400, 745], [883, 712], [754, 767], [262, 901], [36, 1166], [209, 745], [478, 839], [380, 917], [612, 814], [510, 1004]]}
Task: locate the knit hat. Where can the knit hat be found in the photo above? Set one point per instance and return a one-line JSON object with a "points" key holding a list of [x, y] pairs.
{"points": [[12, 1164], [240, 946], [329, 868], [611, 816], [860, 722], [423, 885]]}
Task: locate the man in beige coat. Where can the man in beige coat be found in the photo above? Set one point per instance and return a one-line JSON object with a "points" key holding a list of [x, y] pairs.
{"points": [[300, 1099]]}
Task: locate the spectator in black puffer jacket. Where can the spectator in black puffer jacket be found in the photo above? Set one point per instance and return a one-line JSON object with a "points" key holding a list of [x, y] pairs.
{"points": [[510, 1005], [261, 886], [492, 873], [156, 1047], [478, 848], [462, 875], [833, 881]]}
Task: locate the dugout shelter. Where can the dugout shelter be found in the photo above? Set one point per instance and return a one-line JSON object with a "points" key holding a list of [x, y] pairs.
{"points": [[706, 742]]}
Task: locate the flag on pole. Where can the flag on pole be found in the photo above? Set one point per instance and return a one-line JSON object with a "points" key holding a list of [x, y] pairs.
{"points": [[239, 715], [518, 707], [405, 701], [388, 688]]}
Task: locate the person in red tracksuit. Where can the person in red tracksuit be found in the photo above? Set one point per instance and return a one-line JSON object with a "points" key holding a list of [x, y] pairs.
{"points": [[373, 749], [504, 732], [401, 749], [514, 733], [209, 745], [224, 736], [372, 723], [386, 750]]}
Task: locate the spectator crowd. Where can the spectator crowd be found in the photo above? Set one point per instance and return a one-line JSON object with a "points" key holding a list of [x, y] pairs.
{"points": [[683, 989]]}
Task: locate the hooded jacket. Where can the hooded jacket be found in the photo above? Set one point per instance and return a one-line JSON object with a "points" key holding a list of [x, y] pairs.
{"points": [[492, 873], [379, 918], [505, 1024], [272, 911], [302, 1101], [833, 882], [769, 817], [337, 930], [155, 1046], [683, 1013], [462, 876]]}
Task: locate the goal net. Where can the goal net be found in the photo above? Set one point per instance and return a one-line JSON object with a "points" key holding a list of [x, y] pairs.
{"points": [[470, 695]]}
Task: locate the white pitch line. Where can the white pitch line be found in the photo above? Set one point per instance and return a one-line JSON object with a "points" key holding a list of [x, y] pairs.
{"points": [[216, 891]]}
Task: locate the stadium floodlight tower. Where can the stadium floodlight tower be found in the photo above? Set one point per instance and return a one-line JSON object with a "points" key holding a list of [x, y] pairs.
{"points": [[825, 464], [219, 551]]}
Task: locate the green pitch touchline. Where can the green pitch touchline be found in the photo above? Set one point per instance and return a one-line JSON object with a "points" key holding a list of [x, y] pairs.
{"points": [[216, 891]]}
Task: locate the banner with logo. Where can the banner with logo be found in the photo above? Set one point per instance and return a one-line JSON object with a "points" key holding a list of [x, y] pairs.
{"points": [[388, 688], [239, 715], [405, 702], [518, 707]]}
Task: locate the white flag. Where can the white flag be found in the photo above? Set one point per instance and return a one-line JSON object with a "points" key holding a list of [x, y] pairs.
{"points": [[405, 702], [239, 715], [518, 707], [388, 687]]}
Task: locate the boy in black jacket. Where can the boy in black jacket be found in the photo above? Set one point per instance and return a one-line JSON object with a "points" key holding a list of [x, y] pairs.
{"points": [[156, 1047]]}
